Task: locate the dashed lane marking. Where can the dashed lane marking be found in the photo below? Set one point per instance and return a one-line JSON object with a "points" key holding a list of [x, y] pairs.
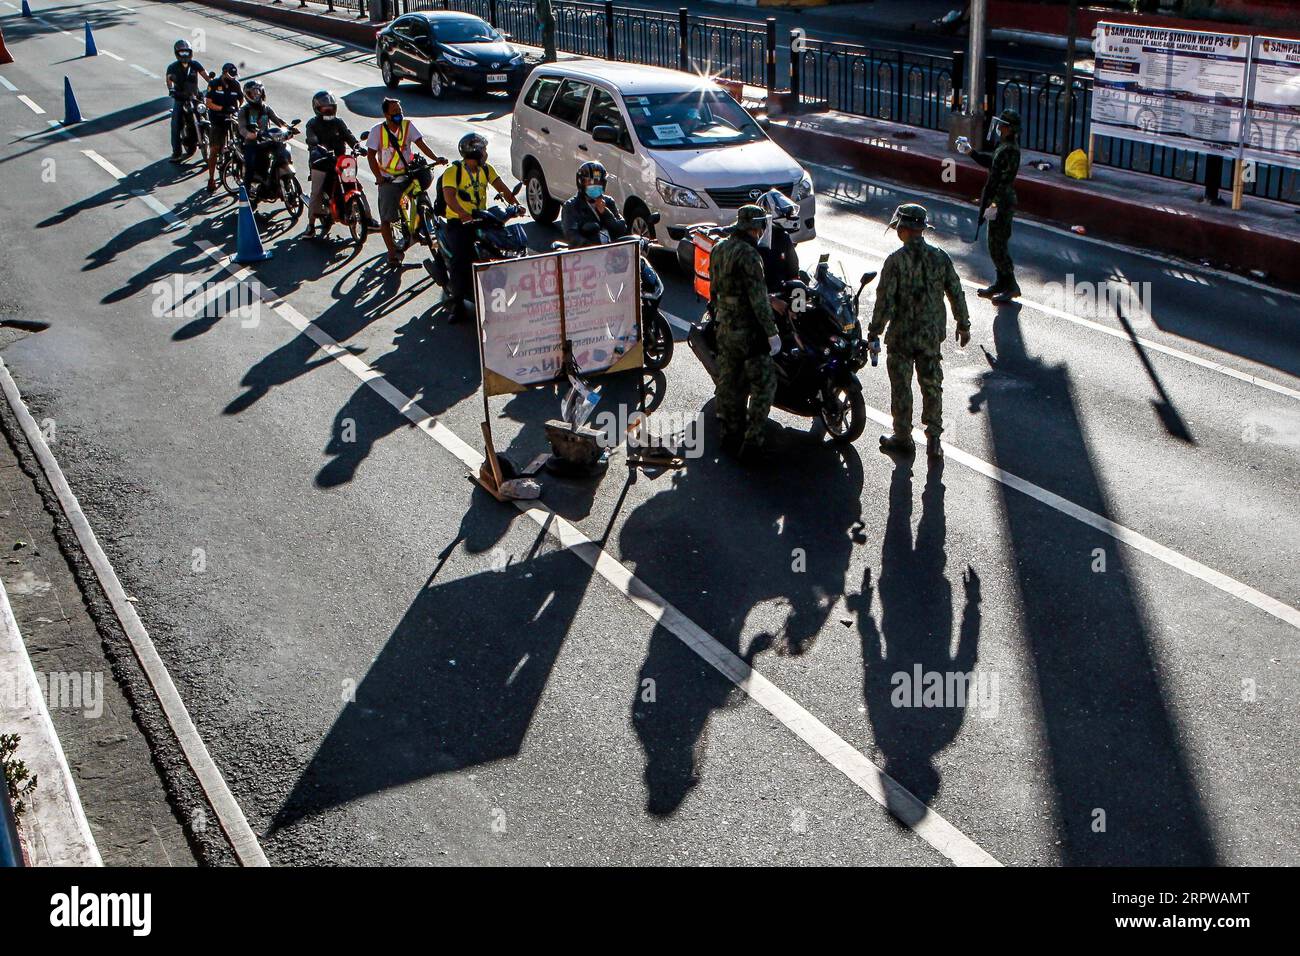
{"points": [[27, 101]]}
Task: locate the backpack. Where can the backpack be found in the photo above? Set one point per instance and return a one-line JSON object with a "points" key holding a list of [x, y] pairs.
{"points": [[439, 200]]}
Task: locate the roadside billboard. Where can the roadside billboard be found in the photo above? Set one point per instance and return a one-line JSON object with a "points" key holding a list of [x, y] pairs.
{"points": [[1178, 88], [1273, 104]]}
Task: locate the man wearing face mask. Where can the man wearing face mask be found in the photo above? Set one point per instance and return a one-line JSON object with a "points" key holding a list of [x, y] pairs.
{"points": [[747, 336], [589, 218], [998, 204], [224, 100], [390, 148]]}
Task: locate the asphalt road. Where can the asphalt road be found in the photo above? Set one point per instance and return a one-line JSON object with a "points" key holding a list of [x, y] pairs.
{"points": [[388, 666]]}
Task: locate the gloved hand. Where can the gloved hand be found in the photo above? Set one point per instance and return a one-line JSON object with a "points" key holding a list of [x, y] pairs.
{"points": [[963, 337], [774, 343], [991, 213]]}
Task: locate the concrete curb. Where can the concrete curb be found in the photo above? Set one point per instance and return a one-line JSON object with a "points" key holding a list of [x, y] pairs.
{"points": [[54, 830], [1148, 226], [345, 26]]}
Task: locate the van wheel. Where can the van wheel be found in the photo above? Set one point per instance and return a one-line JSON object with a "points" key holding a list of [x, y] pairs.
{"points": [[386, 73], [638, 219], [541, 206]]}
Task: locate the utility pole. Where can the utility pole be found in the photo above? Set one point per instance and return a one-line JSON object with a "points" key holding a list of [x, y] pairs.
{"points": [[978, 29]]}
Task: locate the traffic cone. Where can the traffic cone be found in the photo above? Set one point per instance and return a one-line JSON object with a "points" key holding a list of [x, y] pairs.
{"points": [[71, 112], [27, 11], [5, 55], [91, 49], [249, 246]]}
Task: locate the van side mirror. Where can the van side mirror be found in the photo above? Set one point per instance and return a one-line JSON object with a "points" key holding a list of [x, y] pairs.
{"points": [[605, 134]]}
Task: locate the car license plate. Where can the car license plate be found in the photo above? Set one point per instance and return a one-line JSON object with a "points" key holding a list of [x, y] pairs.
{"points": [[496, 77]]}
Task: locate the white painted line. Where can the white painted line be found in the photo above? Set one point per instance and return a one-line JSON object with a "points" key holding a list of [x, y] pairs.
{"points": [[122, 6], [181, 26], [1079, 320], [25, 100], [1228, 585], [886, 791], [152, 202], [339, 79], [55, 811], [230, 816], [104, 164], [242, 47], [149, 73], [110, 54], [7, 85], [10, 5]]}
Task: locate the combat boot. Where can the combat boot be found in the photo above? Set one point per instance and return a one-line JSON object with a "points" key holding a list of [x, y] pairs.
{"points": [[989, 291], [1007, 293], [897, 445]]}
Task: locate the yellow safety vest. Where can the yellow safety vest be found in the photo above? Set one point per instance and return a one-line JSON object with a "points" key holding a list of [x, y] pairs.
{"points": [[396, 162]]}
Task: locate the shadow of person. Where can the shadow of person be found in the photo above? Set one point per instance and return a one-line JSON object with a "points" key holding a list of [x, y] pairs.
{"points": [[717, 544], [917, 689]]}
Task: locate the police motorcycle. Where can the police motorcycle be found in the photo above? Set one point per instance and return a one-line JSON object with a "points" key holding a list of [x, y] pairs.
{"points": [[277, 178], [658, 334], [822, 345]]}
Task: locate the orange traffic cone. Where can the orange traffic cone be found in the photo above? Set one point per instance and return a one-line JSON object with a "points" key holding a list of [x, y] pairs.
{"points": [[5, 56]]}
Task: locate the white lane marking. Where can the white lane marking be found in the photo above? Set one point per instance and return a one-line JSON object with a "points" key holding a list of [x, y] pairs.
{"points": [[63, 131], [7, 85], [1175, 559], [103, 164], [111, 55], [339, 79], [1109, 245], [242, 47], [1148, 344], [26, 100], [884, 789], [173, 221], [1228, 585], [178, 26], [10, 5], [149, 73], [214, 786], [122, 6]]}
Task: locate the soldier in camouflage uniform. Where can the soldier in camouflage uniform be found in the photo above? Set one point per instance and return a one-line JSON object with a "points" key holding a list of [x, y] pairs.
{"points": [[747, 334], [1000, 197], [546, 17], [913, 283]]}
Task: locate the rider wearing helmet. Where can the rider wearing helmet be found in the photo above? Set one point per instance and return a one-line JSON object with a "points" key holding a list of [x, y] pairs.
{"points": [[224, 99], [328, 138], [255, 116], [780, 261], [590, 217], [465, 192], [182, 81], [390, 149]]}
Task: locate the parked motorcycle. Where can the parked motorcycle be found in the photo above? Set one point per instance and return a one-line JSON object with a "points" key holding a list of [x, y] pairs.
{"points": [[347, 204], [822, 349], [196, 127]]}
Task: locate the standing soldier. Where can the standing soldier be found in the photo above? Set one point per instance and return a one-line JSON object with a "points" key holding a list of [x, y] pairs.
{"points": [[747, 335], [546, 17], [913, 283], [998, 203]]}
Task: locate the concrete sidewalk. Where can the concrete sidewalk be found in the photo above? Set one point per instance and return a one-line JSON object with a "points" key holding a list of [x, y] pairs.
{"points": [[1133, 208]]}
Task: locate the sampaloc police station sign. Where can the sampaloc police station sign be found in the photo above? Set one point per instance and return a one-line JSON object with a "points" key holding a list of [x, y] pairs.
{"points": [[1273, 104], [1180, 88], [520, 320]]}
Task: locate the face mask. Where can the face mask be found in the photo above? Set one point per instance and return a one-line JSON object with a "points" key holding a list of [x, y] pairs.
{"points": [[595, 192], [395, 119]]}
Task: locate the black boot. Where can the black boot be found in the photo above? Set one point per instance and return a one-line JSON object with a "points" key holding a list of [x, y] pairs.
{"points": [[1010, 290], [895, 444], [989, 291]]}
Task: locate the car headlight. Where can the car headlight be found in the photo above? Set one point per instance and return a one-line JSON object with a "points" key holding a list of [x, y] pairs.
{"points": [[803, 188], [679, 195], [458, 60]]}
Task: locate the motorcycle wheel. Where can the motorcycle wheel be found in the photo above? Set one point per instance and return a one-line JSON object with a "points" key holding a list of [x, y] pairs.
{"points": [[232, 173], [847, 419], [658, 343], [291, 190], [356, 220]]}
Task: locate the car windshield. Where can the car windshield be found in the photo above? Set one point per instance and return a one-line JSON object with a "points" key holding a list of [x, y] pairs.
{"points": [[465, 31], [698, 119]]}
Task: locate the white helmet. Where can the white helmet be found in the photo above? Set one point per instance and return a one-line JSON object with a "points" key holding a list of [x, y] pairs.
{"points": [[780, 209]]}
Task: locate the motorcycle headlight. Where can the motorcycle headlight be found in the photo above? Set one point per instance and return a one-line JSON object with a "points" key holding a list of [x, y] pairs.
{"points": [[803, 188], [457, 60], [679, 195]]}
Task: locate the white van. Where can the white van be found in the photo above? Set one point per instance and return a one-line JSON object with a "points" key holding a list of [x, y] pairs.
{"points": [[673, 143]]}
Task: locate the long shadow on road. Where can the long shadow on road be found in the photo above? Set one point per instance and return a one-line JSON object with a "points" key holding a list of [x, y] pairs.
{"points": [[1124, 792]]}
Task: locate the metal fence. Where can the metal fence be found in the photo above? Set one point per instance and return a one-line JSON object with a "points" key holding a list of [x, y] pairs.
{"points": [[914, 89]]}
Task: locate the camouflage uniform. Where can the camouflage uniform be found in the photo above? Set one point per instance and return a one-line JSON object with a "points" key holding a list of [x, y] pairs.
{"points": [[913, 283], [745, 323], [1003, 164], [546, 17]]}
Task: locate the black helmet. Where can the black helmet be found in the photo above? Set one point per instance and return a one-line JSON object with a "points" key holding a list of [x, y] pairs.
{"points": [[322, 99], [254, 91], [592, 170], [181, 48], [473, 146], [230, 70]]}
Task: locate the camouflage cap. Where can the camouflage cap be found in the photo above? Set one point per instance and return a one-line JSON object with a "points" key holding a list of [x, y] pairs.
{"points": [[1010, 116], [910, 214], [751, 217]]}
